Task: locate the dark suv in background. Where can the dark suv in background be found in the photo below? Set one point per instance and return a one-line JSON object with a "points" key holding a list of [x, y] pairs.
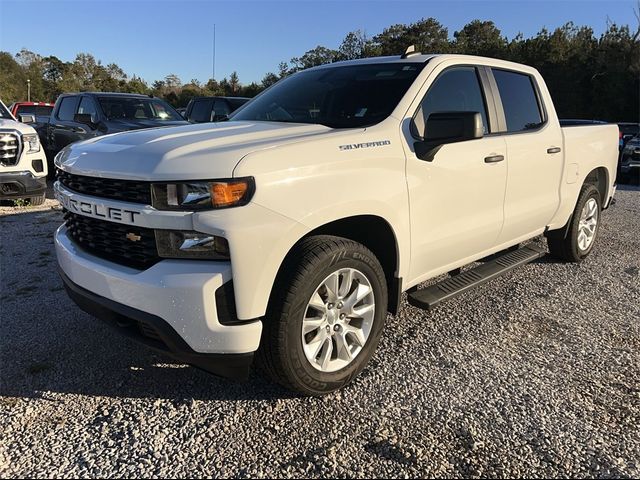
{"points": [[79, 116], [212, 109]]}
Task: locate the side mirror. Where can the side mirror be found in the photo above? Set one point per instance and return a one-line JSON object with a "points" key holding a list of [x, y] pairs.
{"points": [[84, 118], [446, 127], [219, 117], [27, 118]]}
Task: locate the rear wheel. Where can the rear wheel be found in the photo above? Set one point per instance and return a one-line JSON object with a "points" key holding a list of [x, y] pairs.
{"points": [[326, 316], [582, 230]]}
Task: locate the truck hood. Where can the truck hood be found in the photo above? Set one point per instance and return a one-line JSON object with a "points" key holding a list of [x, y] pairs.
{"points": [[6, 124], [192, 152]]}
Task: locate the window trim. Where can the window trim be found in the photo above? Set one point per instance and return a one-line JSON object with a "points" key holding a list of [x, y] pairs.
{"points": [[485, 90], [500, 108]]}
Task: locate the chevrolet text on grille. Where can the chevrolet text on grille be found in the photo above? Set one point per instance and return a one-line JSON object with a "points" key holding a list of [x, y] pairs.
{"points": [[102, 211]]}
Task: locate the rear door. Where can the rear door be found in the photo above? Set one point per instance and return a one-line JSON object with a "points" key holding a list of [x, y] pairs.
{"points": [[534, 148]]}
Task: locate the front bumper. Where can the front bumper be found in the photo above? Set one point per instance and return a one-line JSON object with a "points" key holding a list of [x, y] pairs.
{"points": [[181, 294], [21, 184], [157, 334]]}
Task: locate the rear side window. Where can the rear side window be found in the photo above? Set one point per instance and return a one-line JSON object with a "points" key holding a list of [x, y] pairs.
{"points": [[519, 100], [201, 111], [67, 108], [456, 90]]}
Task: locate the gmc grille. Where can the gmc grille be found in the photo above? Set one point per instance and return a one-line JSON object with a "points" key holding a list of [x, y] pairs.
{"points": [[109, 240], [10, 147], [125, 190]]}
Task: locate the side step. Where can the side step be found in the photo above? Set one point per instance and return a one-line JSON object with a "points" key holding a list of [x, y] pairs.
{"points": [[451, 287]]}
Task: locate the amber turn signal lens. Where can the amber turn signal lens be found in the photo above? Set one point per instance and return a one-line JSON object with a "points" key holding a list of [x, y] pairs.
{"points": [[226, 194]]}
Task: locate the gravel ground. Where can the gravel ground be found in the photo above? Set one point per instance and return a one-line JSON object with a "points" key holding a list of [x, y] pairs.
{"points": [[536, 374]]}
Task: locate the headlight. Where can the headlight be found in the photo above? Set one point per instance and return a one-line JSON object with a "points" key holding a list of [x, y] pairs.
{"points": [[202, 195], [185, 244], [31, 143]]}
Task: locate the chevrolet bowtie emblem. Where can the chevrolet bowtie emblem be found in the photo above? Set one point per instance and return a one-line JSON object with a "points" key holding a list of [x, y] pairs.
{"points": [[133, 237]]}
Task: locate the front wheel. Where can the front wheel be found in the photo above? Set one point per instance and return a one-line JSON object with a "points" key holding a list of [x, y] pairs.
{"points": [[582, 229], [325, 317]]}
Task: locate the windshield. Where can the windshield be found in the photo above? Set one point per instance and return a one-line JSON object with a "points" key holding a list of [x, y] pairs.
{"points": [[338, 97], [133, 108], [4, 113]]}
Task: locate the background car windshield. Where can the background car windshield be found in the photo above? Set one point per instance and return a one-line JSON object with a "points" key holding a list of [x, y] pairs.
{"points": [[339, 97], [118, 108]]}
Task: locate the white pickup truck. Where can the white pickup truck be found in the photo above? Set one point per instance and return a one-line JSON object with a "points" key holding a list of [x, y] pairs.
{"points": [[23, 165], [291, 231]]}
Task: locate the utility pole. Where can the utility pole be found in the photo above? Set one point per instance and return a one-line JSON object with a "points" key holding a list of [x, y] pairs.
{"points": [[213, 71], [28, 90]]}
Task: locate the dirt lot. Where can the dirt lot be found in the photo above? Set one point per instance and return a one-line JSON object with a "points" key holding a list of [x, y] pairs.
{"points": [[535, 374]]}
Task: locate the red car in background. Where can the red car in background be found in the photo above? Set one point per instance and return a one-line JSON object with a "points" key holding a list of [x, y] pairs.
{"points": [[39, 109]]}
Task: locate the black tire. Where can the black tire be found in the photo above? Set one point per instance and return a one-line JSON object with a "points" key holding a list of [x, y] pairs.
{"points": [[35, 201], [281, 353], [565, 247]]}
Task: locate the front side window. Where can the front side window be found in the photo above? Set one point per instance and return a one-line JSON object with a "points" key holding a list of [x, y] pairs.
{"points": [[137, 108], [67, 108], [349, 96], [519, 100], [456, 90], [201, 110], [88, 108]]}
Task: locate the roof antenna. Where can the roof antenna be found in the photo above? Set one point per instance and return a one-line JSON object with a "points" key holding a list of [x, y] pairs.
{"points": [[410, 52]]}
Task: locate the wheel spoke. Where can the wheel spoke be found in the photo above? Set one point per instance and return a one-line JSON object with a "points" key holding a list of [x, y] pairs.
{"points": [[325, 357], [359, 312], [345, 286], [356, 296], [357, 334], [331, 284], [311, 324], [319, 341], [344, 352], [317, 303]]}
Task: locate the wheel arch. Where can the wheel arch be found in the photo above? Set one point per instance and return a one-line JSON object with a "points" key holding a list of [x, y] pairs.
{"points": [[375, 233], [599, 178]]}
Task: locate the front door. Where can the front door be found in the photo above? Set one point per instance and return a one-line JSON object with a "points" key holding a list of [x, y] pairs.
{"points": [[457, 199]]}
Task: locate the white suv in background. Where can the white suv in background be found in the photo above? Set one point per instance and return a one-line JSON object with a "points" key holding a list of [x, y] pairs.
{"points": [[23, 165]]}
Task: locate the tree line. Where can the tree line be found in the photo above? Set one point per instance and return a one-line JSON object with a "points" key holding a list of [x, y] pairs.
{"points": [[588, 76]]}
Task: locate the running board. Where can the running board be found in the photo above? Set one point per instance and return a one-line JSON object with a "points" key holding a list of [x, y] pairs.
{"points": [[431, 296]]}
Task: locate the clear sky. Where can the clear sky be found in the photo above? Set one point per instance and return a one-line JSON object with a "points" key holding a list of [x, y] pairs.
{"points": [[153, 38]]}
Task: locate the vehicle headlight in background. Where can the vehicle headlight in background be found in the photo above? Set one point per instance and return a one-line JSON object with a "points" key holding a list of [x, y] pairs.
{"points": [[188, 244], [209, 195], [31, 143]]}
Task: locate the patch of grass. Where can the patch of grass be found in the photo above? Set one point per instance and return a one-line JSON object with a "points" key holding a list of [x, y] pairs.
{"points": [[21, 202], [39, 367]]}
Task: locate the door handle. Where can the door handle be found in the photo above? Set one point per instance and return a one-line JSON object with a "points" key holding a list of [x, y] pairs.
{"points": [[494, 159], [78, 130], [552, 150]]}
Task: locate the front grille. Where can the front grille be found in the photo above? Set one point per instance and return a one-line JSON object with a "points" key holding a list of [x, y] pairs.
{"points": [[125, 190], [9, 149], [109, 240]]}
